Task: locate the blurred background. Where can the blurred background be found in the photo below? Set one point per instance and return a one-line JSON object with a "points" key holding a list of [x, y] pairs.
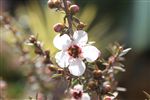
{"points": [[108, 21]]}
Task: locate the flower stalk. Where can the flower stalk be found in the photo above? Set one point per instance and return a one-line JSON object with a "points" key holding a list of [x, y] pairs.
{"points": [[69, 17]]}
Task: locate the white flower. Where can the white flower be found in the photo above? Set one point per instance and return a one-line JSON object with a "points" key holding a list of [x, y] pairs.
{"points": [[78, 94], [74, 51]]}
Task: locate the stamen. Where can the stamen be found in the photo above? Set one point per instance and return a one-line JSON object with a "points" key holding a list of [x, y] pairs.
{"points": [[74, 51], [77, 95]]}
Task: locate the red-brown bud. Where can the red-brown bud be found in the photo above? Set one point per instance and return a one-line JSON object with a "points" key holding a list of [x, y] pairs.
{"points": [[106, 88], [32, 39], [47, 52], [51, 4], [54, 3], [97, 73], [58, 27], [38, 51], [74, 9], [92, 85], [60, 71]]}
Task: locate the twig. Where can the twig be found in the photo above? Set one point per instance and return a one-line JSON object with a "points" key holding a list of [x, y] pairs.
{"points": [[69, 17]]}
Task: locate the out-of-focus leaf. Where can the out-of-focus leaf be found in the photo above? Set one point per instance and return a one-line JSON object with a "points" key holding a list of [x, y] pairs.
{"points": [[85, 17], [121, 89], [56, 76], [119, 68]]}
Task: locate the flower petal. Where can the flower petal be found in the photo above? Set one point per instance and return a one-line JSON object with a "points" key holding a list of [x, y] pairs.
{"points": [[62, 59], [77, 67], [85, 96], [78, 87], [80, 37], [62, 42], [90, 53]]}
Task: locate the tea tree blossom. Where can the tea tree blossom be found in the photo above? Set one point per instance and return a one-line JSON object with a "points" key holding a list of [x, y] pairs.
{"points": [[75, 54], [74, 51], [78, 94]]}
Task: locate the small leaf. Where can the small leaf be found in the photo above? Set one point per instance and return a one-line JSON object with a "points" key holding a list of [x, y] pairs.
{"points": [[74, 82], [106, 64], [110, 94], [124, 52], [91, 42], [119, 68], [121, 89], [56, 76]]}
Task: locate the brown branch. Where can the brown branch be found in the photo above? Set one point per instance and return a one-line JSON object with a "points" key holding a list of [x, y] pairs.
{"points": [[23, 53], [69, 17]]}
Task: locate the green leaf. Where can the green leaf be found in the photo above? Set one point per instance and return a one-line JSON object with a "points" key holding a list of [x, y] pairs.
{"points": [[74, 82]]}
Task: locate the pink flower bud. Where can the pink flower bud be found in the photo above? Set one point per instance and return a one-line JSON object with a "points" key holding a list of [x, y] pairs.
{"points": [[68, 3], [54, 3], [74, 9], [58, 27], [107, 88], [51, 4]]}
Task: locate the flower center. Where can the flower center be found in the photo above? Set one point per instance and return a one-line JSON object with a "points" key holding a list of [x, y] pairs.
{"points": [[77, 95], [74, 51]]}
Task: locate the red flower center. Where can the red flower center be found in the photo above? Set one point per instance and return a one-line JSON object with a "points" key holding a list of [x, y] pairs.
{"points": [[74, 51], [77, 95]]}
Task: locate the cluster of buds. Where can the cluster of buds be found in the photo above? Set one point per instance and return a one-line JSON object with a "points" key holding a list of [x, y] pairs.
{"points": [[54, 4], [101, 81], [71, 10], [59, 4], [38, 49], [37, 44]]}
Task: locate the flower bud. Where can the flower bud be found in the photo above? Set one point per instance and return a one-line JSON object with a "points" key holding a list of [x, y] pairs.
{"points": [[54, 3], [60, 71], [120, 48], [32, 39], [47, 52], [80, 26], [91, 85], [58, 27], [38, 51], [68, 3], [97, 73], [51, 4], [74, 9], [106, 88]]}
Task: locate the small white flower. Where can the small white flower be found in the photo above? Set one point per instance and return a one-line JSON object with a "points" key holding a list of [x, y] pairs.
{"points": [[74, 51], [78, 94]]}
